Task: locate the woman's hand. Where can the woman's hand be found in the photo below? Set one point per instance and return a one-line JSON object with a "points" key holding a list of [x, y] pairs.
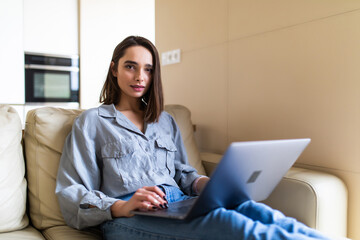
{"points": [[144, 199], [200, 183]]}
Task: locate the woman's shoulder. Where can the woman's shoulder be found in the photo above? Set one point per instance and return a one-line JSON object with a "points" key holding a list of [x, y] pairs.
{"points": [[166, 119], [87, 115], [165, 116]]}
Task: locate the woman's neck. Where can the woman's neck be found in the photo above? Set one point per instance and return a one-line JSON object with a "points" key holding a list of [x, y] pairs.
{"points": [[126, 104], [132, 110]]}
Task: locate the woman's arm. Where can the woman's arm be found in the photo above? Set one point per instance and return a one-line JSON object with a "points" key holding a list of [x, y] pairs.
{"points": [[185, 174], [79, 179]]}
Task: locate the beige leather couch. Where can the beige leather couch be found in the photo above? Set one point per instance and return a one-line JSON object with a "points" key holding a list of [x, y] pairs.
{"points": [[29, 208]]}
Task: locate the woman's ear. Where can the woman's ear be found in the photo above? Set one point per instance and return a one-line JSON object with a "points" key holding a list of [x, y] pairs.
{"points": [[113, 69]]}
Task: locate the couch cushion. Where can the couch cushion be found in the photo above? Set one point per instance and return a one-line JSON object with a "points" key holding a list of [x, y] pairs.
{"points": [[28, 233], [12, 170], [45, 133], [65, 232]]}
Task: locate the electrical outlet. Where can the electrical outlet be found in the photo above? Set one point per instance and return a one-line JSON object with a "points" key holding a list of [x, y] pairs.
{"points": [[171, 57]]}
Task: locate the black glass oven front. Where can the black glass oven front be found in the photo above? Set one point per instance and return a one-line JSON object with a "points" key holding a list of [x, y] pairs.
{"points": [[51, 78]]}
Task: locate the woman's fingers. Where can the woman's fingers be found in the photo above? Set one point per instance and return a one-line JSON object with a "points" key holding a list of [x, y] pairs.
{"points": [[147, 206], [151, 196], [157, 191]]}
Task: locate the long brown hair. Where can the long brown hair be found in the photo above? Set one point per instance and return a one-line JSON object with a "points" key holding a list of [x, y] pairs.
{"points": [[110, 93]]}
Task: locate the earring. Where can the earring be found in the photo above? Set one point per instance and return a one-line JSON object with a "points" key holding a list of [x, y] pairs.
{"points": [[143, 100]]}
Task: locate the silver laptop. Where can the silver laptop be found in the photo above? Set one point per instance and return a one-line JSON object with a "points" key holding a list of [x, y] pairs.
{"points": [[248, 170]]}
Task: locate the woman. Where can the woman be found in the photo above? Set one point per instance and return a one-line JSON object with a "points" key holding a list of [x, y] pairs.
{"points": [[128, 154]]}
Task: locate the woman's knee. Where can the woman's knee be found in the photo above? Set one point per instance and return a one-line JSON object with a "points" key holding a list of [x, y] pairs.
{"points": [[260, 212]]}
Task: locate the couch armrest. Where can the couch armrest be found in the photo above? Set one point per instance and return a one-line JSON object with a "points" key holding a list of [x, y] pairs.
{"points": [[210, 160], [317, 199]]}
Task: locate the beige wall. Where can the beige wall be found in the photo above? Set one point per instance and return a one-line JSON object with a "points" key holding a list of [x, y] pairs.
{"points": [[254, 70]]}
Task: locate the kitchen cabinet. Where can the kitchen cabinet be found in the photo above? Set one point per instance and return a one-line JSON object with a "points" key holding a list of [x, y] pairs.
{"points": [[11, 52], [51, 26], [39, 26]]}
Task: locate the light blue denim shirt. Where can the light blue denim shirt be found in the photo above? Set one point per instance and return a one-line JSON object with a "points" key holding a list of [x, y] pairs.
{"points": [[106, 156]]}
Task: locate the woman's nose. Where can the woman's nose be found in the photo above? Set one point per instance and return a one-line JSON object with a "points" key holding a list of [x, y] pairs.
{"points": [[140, 76]]}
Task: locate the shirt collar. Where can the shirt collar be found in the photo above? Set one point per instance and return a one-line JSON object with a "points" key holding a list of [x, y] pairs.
{"points": [[107, 110]]}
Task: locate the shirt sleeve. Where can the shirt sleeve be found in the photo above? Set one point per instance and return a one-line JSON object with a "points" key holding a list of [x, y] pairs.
{"points": [[78, 181], [185, 174]]}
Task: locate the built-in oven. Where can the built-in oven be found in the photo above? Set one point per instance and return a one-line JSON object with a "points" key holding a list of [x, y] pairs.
{"points": [[51, 78]]}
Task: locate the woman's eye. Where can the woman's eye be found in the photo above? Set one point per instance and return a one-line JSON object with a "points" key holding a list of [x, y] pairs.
{"points": [[150, 70], [129, 66]]}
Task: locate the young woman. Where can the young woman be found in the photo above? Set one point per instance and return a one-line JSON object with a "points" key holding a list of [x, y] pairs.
{"points": [[128, 154]]}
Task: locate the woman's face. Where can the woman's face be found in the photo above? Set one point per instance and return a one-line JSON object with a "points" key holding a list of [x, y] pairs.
{"points": [[134, 72]]}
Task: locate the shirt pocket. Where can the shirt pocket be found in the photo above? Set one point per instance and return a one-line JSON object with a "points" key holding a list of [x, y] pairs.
{"points": [[165, 154], [121, 160]]}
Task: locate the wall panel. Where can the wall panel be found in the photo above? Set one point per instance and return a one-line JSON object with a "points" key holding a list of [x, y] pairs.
{"points": [[199, 82], [289, 70], [248, 18], [190, 24], [300, 82]]}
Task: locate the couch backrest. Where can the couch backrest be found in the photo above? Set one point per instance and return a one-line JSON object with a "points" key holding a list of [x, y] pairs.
{"points": [[45, 133], [12, 170]]}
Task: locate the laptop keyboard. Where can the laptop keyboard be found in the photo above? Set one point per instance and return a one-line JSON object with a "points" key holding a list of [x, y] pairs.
{"points": [[181, 206]]}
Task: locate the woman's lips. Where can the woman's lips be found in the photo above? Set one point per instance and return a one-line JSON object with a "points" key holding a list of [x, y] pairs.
{"points": [[137, 88]]}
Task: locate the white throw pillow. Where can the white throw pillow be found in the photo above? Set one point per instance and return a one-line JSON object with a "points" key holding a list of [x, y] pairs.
{"points": [[12, 170]]}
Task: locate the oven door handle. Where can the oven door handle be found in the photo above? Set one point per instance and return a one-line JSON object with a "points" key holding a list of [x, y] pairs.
{"points": [[53, 68]]}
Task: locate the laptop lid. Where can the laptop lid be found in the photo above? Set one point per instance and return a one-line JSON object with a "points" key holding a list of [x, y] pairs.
{"points": [[248, 170]]}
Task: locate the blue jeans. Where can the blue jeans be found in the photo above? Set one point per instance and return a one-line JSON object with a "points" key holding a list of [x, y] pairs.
{"points": [[250, 220]]}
